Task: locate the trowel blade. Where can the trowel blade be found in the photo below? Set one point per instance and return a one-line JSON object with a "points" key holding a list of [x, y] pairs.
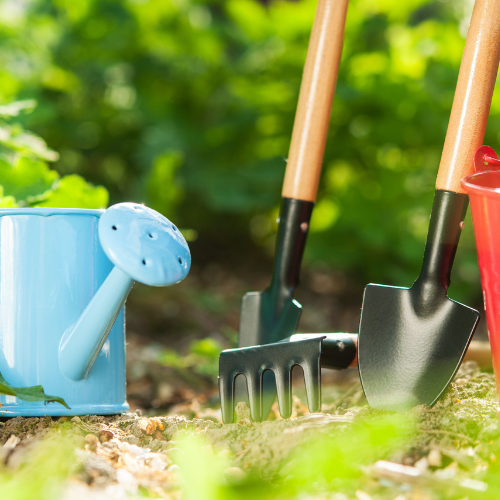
{"points": [[261, 323], [407, 357], [265, 320]]}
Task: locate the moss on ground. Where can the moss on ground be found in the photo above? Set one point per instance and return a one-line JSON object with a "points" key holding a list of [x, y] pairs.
{"points": [[348, 451]]}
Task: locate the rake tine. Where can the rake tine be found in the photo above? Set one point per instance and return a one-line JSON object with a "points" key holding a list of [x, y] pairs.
{"points": [[312, 378], [283, 377], [254, 384], [277, 358], [226, 390]]}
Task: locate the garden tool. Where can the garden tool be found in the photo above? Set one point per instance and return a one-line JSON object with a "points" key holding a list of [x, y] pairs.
{"points": [[412, 341], [310, 351], [273, 314]]}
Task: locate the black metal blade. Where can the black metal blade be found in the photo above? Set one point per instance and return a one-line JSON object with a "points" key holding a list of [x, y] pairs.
{"points": [[412, 340], [407, 355], [262, 322]]}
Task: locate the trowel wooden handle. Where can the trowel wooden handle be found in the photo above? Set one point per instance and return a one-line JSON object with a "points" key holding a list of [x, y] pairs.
{"points": [[472, 101], [315, 101]]}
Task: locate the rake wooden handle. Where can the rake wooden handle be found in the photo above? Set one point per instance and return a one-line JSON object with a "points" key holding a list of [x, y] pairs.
{"points": [[315, 101], [472, 101]]}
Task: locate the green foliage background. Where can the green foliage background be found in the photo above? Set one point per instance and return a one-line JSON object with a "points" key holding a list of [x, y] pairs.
{"points": [[188, 106]]}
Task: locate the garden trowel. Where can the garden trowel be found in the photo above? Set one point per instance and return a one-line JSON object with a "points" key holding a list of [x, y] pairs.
{"points": [[273, 314], [412, 340]]}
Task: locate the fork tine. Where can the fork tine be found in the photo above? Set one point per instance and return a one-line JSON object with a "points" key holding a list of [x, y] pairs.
{"points": [[284, 386], [227, 375], [312, 378], [254, 383], [226, 391]]}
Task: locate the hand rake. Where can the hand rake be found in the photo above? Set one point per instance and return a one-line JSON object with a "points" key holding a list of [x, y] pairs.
{"points": [[310, 351]]}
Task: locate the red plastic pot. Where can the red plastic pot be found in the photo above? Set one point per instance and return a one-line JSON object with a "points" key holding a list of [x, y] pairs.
{"points": [[483, 189]]}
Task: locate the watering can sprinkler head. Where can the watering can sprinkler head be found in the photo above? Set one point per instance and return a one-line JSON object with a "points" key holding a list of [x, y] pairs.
{"points": [[144, 246]]}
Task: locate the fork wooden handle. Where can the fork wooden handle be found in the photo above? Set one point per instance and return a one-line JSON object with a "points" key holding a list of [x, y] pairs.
{"points": [[305, 157], [473, 94]]}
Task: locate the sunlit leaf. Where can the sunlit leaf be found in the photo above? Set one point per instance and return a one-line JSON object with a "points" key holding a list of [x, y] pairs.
{"points": [[27, 179], [25, 143], [15, 108], [73, 191]]}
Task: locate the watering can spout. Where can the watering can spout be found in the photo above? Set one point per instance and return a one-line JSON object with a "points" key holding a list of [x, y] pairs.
{"points": [[83, 341], [144, 246]]}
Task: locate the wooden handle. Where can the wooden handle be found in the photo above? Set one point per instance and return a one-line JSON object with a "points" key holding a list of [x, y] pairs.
{"points": [[315, 101], [472, 101]]}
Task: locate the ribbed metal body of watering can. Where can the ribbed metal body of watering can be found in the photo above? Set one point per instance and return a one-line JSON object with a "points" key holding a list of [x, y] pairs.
{"points": [[64, 278]]}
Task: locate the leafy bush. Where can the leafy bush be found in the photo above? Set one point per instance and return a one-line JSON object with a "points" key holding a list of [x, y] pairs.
{"points": [[189, 106], [25, 177], [202, 359]]}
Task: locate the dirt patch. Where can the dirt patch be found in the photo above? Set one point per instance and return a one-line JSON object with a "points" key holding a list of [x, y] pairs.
{"points": [[456, 440]]}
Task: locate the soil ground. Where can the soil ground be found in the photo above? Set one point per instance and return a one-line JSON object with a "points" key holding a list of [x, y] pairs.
{"points": [[449, 452], [346, 452]]}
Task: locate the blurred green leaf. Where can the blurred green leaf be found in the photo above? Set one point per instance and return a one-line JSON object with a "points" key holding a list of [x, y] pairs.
{"points": [[73, 191], [189, 106], [22, 142], [15, 108], [202, 358], [42, 472], [163, 188], [27, 179]]}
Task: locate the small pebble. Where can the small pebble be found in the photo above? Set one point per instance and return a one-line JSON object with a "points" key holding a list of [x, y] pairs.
{"points": [[105, 436], [242, 411], [133, 449], [147, 426], [461, 381], [156, 462], [91, 438], [160, 436], [126, 479], [361, 495], [159, 424], [12, 442], [434, 458], [422, 464], [235, 474]]}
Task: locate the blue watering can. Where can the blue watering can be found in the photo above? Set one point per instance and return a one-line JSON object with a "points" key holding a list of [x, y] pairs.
{"points": [[64, 277]]}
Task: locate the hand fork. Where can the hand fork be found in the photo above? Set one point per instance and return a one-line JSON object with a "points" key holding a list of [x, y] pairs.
{"points": [[310, 351]]}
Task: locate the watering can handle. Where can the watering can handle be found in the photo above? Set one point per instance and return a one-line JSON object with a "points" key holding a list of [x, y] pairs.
{"points": [[472, 101], [310, 128]]}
